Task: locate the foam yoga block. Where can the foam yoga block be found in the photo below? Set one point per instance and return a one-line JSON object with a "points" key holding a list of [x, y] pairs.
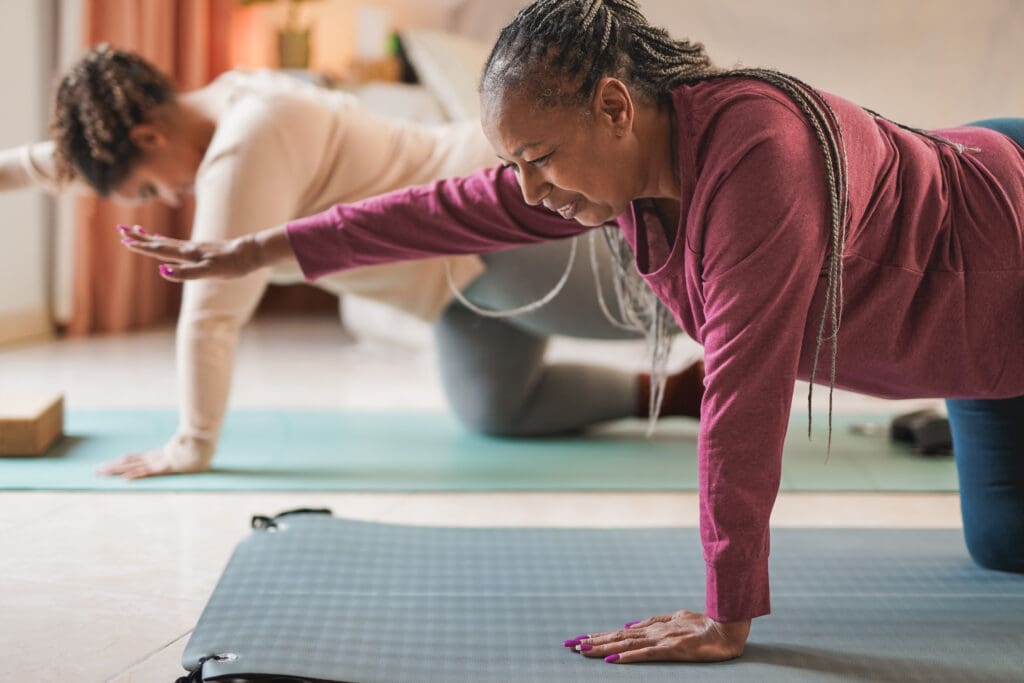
{"points": [[29, 425], [310, 597]]}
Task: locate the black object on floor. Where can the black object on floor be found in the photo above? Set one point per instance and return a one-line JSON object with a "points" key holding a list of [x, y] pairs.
{"points": [[309, 597], [925, 431]]}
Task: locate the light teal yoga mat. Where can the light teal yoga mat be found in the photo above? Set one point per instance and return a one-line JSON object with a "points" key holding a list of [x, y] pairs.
{"points": [[329, 451]]}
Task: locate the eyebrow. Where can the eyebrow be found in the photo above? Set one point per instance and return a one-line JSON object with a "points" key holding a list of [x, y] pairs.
{"points": [[520, 151]]}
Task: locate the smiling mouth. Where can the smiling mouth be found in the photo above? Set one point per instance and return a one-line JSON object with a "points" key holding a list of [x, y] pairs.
{"points": [[568, 211]]}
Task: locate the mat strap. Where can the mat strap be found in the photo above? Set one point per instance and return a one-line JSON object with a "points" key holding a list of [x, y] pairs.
{"points": [[265, 522]]}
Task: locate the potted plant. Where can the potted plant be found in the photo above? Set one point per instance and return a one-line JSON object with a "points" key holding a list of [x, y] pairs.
{"points": [[292, 38]]}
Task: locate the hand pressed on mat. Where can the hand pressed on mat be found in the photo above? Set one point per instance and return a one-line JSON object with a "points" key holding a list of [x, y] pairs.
{"points": [[680, 637], [181, 455]]}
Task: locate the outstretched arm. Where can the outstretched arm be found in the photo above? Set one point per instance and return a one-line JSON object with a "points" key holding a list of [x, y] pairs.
{"points": [[32, 166], [479, 213]]}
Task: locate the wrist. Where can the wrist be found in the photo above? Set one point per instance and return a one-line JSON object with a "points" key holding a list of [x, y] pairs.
{"points": [[268, 247], [736, 631]]}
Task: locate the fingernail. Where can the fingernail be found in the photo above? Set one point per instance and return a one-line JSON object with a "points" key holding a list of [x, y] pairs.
{"points": [[122, 228], [571, 643], [611, 659], [127, 241], [583, 647], [138, 228], [167, 270], [630, 624]]}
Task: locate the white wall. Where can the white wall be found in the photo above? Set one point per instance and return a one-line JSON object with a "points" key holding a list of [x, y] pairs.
{"points": [[927, 63], [25, 47]]}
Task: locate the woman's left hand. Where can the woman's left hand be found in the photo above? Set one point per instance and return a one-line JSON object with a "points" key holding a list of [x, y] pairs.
{"points": [[184, 260], [680, 637]]}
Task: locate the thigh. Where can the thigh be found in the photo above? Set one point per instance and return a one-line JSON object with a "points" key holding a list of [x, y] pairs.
{"points": [[988, 442], [488, 366]]}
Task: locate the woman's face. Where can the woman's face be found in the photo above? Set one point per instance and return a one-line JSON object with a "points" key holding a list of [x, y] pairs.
{"points": [[574, 161], [165, 172]]}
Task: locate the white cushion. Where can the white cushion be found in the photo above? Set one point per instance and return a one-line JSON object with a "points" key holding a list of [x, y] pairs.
{"points": [[402, 101], [450, 67]]}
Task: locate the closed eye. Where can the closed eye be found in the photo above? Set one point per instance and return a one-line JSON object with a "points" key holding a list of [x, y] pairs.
{"points": [[540, 161]]}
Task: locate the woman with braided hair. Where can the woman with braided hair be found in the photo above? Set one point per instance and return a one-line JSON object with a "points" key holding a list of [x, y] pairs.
{"points": [[778, 224], [260, 148]]}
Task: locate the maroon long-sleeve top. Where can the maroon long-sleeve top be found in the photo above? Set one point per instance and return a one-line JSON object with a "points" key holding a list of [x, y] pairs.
{"points": [[933, 296]]}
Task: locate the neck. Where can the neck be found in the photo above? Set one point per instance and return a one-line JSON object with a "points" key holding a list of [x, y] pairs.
{"points": [[656, 135], [198, 123]]}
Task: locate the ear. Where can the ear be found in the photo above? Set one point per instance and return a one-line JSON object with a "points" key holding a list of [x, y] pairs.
{"points": [[147, 136], [614, 106]]}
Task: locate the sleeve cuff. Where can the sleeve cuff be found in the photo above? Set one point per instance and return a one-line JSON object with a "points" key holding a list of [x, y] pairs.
{"points": [[314, 243], [739, 591]]}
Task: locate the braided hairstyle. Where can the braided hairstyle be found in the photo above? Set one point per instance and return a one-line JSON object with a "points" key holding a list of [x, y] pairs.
{"points": [[101, 98], [561, 49]]}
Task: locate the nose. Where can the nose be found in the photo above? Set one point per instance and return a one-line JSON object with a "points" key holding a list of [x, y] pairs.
{"points": [[534, 188]]}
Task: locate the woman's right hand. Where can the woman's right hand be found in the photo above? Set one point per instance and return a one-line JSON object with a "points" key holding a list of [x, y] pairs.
{"points": [[183, 260], [181, 455]]}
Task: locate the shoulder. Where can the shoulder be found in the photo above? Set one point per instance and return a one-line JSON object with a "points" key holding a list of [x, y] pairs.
{"points": [[267, 118], [734, 115], [759, 177], [742, 130]]}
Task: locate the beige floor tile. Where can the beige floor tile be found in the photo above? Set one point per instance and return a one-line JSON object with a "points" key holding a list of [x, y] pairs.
{"points": [[165, 665], [19, 508], [59, 632], [545, 509], [868, 510]]}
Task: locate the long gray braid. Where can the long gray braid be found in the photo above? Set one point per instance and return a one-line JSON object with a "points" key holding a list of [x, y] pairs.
{"points": [[560, 49]]}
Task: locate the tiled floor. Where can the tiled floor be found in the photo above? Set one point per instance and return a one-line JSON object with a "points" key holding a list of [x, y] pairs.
{"points": [[97, 587]]}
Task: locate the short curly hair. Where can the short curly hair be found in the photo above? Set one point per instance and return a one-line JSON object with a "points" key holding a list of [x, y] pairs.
{"points": [[105, 94]]}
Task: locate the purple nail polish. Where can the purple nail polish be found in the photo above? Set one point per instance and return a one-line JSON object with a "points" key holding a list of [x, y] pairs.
{"points": [[571, 643], [167, 270], [630, 624], [583, 647], [611, 659]]}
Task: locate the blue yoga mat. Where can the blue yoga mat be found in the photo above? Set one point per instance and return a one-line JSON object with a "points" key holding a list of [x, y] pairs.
{"points": [[327, 599], [335, 451]]}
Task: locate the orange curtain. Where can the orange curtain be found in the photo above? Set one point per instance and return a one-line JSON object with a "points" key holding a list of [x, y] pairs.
{"points": [[114, 290]]}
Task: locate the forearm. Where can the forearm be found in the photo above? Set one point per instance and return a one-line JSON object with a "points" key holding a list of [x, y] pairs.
{"points": [[212, 315], [476, 214], [27, 166], [205, 363]]}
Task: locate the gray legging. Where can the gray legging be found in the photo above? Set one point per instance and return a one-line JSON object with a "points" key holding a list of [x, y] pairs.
{"points": [[493, 370]]}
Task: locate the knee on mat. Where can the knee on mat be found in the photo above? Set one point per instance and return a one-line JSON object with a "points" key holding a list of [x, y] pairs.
{"points": [[491, 418], [998, 550], [488, 424]]}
